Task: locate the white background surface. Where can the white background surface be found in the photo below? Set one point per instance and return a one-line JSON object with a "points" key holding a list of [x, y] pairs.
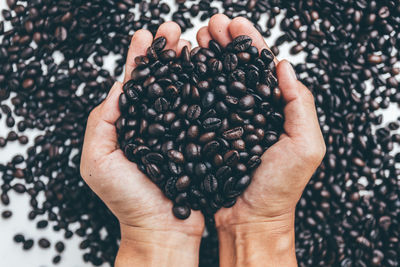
{"points": [[11, 254]]}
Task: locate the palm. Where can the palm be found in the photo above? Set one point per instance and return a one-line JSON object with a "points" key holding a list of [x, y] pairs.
{"points": [[135, 200], [275, 186]]}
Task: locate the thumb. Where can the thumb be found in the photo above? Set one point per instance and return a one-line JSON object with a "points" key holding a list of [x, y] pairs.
{"points": [[301, 120], [101, 134]]}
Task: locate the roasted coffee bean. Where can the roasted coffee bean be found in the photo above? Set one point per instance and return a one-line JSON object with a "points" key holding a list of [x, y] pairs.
{"points": [[18, 238], [140, 73], [246, 102], [159, 43], [207, 137], [169, 188], [56, 259], [208, 100], [223, 172], [200, 169], [267, 56], [211, 148], [161, 104], [168, 55], [181, 212], [153, 172], [237, 88], [241, 43], [183, 183], [6, 214], [233, 134], [231, 158], [176, 156], [181, 198], [254, 162], [193, 112], [210, 184], [211, 124], [44, 243], [215, 66], [156, 129], [243, 182], [192, 151], [59, 246], [174, 168], [155, 158], [28, 244], [230, 62]]}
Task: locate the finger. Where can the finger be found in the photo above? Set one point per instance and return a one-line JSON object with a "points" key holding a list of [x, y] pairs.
{"points": [[218, 29], [141, 40], [242, 26], [181, 44], [300, 114], [170, 31], [101, 134], [203, 37]]}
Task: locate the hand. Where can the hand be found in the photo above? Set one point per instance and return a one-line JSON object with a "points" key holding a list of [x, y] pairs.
{"points": [[150, 234], [260, 226]]}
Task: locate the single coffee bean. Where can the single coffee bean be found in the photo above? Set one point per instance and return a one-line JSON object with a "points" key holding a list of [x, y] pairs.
{"points": [[44, 243], [156, 129], [59, 246], [192, 152], [211, 124], [159, 43], [254, 162], [28, 244], [237, 88], [267, 56], [19, 238], [233, 134], [242, 183], [176, 156], [223, 172], [231, 158], [6, 214], [181, 212], [200, 169], [230, 62], [246, 102], [193, 112], [241, 43], [154, 172], [211, 148], [140, 73], [183, 183], [210, 184]]}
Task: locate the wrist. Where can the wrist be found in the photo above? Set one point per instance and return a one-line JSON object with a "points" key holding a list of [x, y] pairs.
{"points": [[269, 241], [149, 247]]}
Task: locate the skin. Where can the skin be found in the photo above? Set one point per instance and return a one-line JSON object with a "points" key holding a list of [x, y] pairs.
{"points": [[259, 228]]}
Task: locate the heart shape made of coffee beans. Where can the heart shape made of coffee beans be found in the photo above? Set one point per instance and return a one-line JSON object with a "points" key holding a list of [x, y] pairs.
{"points": [[197, 125]]}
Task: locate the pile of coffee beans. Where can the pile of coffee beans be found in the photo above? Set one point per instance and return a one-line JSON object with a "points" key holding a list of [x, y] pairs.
{"points": [[349, 212], [197, 125]]}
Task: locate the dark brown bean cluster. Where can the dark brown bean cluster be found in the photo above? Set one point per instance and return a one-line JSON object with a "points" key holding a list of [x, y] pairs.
{"points": [[198, 124]]}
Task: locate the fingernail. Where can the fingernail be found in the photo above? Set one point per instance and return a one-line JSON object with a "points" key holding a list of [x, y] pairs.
{"points": [[291, 71]]}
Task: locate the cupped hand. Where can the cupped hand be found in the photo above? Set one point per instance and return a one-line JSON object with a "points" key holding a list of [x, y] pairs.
{"points": [[287, 166], [143, 211]]}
